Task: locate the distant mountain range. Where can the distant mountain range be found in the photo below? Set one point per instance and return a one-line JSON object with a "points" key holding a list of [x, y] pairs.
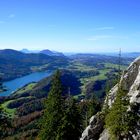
{"points": [[47, 52], [55, 53], [124, 54], [133, 54], [29, 51], [15, 64]]}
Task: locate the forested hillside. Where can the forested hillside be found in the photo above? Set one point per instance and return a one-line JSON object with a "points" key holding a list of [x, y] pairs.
{"points": [[15, 64]]}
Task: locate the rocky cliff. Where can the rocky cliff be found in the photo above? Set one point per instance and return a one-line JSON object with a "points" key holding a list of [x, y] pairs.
{"points": [[130, 83]]}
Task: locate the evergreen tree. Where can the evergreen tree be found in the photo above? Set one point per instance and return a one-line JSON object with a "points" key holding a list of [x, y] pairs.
{"points": [[61, 120], [88, 108], [93, 106], [54, 110], [117, 120], [70, 128]]}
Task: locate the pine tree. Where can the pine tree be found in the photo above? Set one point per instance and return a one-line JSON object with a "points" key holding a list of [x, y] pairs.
{"points": [[88, 108], [93, 106], [62, 119], [70, 128], [117, 119], [54, 110]]}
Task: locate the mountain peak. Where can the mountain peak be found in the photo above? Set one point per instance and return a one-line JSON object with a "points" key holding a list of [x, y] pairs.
{"points": [[25, 51], [10, 51], [51, 53]]}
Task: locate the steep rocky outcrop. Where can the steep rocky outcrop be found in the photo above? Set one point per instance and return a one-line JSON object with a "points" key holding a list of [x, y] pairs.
{"points": [[130, 83], [95, 127]]}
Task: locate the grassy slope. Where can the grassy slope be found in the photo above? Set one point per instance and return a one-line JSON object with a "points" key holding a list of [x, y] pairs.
{"points": [[101, 76], [109, 65], [10, 112], [25, 88]]}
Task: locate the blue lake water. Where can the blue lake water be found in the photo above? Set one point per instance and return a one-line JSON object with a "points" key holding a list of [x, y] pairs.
{"points": [[13, 85]]}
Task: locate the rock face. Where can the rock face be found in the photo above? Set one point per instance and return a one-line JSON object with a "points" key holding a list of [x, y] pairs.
{"points": [[130, 82], [104, 135], [95, 127]]}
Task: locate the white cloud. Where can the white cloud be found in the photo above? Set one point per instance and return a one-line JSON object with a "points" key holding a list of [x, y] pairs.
{"points": [[105, 28], [11, 16]]}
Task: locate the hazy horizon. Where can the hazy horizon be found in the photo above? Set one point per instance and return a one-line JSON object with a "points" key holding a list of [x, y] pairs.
{"points": [[70, 52], [90, 26]]}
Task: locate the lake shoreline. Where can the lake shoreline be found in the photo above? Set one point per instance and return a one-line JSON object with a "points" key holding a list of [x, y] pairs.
{"points": [[16, 84], [15, 77]]}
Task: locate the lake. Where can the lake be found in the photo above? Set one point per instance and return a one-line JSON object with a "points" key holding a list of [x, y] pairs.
{"points": [[13, 85]]}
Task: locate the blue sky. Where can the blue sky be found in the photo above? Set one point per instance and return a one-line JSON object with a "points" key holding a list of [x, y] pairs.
{"points": [[70, 25]]}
